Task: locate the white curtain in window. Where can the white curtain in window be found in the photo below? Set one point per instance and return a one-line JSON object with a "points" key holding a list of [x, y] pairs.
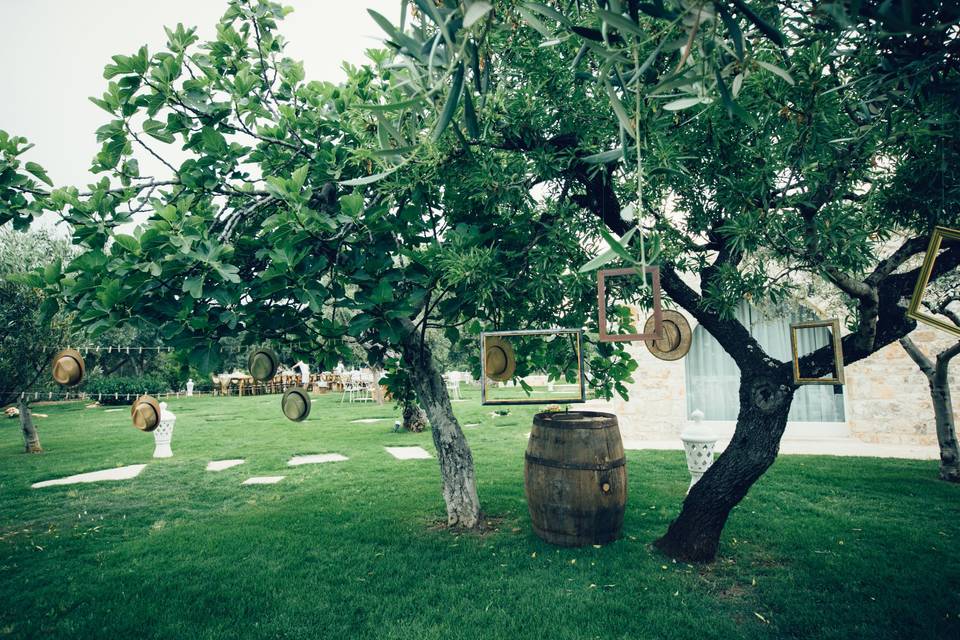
{"points": [[713, 377]]}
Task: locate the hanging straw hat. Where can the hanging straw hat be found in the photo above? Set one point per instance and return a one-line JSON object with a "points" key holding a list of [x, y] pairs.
{"points": [[68, 368], [677, 336], [296, 404], [499, 360], [145, 412], [262, 364]]}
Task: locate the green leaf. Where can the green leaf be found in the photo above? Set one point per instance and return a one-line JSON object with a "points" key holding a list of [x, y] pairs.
{"points": [[475, 12], [604, 157], [359, 182], [534, 22], [624, 25], [51, 274], [546, 12], [612, 252], [619, 109], [127, 242], [620, 246], [470, 115], [351, 204], [38, 172], [382, 293], [393, 106], [685, 103], [298, 177], [733, 27], [194, 286], [450, 107], [109, 294], [772, 68]]}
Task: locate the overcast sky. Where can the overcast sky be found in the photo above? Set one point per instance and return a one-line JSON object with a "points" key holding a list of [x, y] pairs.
{"points": [[54, 52]]}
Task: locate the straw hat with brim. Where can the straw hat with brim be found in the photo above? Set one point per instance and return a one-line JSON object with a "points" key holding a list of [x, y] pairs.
{"points": [[262, 364], [499, 360], [145, 413], [296, 404], [68, 368], [677, 336]]}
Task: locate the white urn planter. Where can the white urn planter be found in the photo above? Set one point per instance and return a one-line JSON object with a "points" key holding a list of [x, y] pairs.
{"points": [[699, 442], [163, 434]]}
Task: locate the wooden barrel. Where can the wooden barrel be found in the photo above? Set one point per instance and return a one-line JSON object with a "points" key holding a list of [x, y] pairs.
{"points": [[575, 478]]}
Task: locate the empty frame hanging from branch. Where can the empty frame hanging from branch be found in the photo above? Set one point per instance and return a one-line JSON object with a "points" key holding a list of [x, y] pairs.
{"points": [[833, 339], [547, 365], [617, 335], [925, 292]]}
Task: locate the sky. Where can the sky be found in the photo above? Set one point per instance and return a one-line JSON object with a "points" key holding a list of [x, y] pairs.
{"points": [[54, 52]]}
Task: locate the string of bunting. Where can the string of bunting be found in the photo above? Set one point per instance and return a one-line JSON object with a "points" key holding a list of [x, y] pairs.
{"points": [[125, 349], [88, 395]]}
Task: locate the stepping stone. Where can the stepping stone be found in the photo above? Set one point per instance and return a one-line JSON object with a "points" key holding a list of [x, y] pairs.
{"points": [[119, 473], [220, 465], [369, 420], [472, 424], [316, 459], [408, 453], [111, 410], [263, 480]]}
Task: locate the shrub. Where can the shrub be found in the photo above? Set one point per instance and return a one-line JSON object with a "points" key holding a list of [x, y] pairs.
{"points": [[113, 390]]}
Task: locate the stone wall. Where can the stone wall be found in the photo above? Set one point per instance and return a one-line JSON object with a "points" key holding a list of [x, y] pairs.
{"points": [[887, 397], [888, 400]]}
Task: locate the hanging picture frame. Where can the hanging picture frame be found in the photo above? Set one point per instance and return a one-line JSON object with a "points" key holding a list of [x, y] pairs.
{"points": [[498, 363], [605, 335], [915, 310], [834, 327]]}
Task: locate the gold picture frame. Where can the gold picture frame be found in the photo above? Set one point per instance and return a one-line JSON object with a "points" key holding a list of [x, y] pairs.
{"points": [[914, 310], [499, 338], [834, 325], [602, 276]]}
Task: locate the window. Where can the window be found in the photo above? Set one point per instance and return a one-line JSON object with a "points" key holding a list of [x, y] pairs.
{"points": [[713, 377]]}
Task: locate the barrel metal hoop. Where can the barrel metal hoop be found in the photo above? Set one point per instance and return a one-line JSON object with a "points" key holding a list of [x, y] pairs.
{"points": [[576, 425], [578, 466]]}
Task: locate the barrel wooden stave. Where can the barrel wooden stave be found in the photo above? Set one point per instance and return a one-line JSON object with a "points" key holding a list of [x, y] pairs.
{"points": [[575, 478]]}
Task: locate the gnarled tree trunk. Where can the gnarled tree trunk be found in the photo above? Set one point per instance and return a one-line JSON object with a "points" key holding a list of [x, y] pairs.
{"points": [[764, 405], [456, 461], [938, 379], [31, 439]]}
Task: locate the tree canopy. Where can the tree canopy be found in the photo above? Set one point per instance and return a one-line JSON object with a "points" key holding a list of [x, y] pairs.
{"points": [[461, 179]]}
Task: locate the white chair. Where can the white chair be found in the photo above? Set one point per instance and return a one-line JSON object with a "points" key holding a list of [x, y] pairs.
{"points": [[453, 385]]}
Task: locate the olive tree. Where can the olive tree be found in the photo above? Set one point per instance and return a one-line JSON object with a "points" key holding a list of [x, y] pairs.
{"points": [[746, 143]]}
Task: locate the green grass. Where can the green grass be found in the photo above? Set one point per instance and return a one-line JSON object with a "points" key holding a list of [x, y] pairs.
{"points": [[821, 548]]}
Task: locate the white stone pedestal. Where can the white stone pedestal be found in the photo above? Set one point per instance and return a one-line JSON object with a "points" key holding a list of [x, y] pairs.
{"points": [[698, 443], [163, 434]]}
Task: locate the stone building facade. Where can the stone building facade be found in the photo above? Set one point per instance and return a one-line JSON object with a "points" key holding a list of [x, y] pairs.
{"points": [[886, 399]]}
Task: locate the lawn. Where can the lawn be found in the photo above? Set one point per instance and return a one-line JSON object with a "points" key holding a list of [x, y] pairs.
{"points": [[822, 547]]}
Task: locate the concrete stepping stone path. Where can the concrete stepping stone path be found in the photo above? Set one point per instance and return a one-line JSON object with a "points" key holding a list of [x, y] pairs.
{"points": [[263, 480], [319, 458], [220, 465], [118, 473], [408, 453], [369, 420]]}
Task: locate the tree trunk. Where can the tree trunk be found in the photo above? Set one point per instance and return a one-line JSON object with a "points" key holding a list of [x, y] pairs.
{"points": [[377, 391], [456, 461], [695, 535], [946, 428], [31, 439], [939, 383], [414, 418]]}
